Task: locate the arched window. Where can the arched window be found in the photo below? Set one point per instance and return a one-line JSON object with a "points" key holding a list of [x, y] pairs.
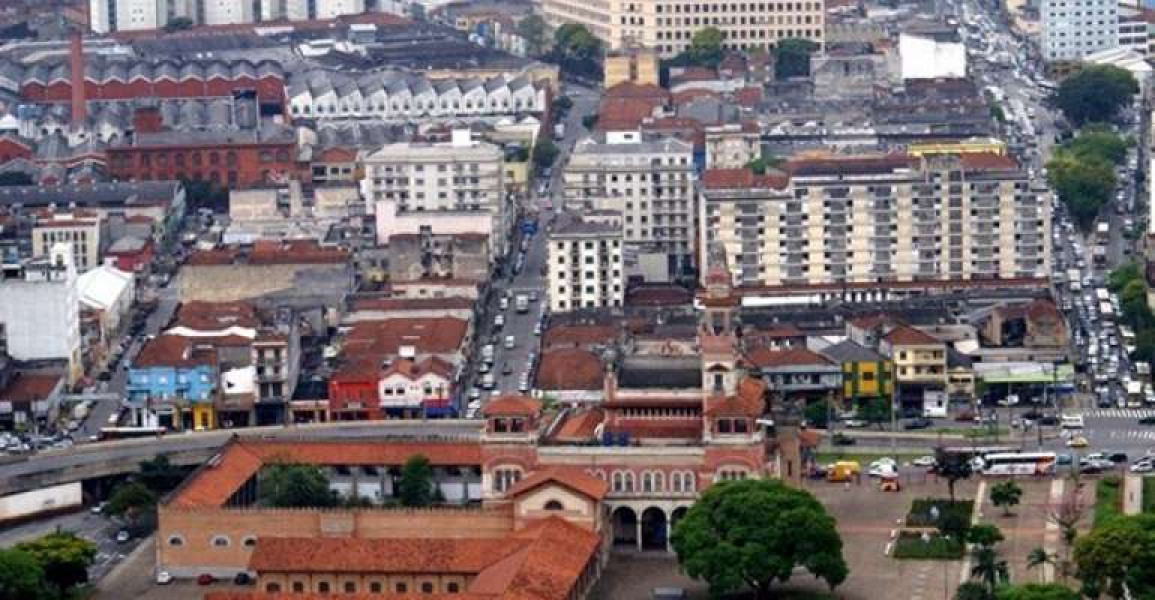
{"points": [[505, 478], [629, 483], [175, 540], [618, 484], [659, 482], [220, 541], [249, 541], [688, 484], [647, 482], [554, 505]]}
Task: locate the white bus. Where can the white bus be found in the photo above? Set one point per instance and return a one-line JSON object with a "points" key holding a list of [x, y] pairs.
{"points": [[1019, 463], [1071, 421]]}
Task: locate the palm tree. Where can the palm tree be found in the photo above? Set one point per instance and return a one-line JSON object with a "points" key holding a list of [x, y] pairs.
{"points": [[988, 568]]}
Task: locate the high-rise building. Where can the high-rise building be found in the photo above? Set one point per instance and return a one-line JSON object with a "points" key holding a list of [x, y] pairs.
{"points": [[669, 26], [1072, 29], [649, 181], [226, 12], [879, 219], [585, 262], [127, 15]]}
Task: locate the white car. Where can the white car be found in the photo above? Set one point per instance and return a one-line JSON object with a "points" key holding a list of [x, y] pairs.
{"points": [[855, 423], [163, 578], [877, 470], [1143, 467], [924, 461]]}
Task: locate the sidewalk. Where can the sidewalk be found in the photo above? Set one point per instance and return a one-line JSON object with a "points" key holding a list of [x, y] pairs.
{"points": [[1132, 494]]}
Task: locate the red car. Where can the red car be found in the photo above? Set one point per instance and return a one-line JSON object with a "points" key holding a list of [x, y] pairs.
{"points": [[205, 579]]}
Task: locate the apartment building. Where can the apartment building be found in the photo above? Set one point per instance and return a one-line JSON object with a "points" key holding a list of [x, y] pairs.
{"points": [[80, 230], [134, 15], [40, 310], [668, 27], [127, 15], [585, 263], [649, 180], [1072, 29], [440, 187], [878, 219]]}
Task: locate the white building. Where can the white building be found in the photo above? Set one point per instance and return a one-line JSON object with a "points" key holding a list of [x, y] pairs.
{"points": [[1072, 29], [932, 55], [407, 385], [650, 182], [80, 230], [127, 15], [40, 310], [227, 12], [1126, 59], [585, 263], [449, 187], [109, 292]]}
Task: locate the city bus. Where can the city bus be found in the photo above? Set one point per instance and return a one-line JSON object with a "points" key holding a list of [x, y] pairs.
{"points": [[1017, 463], [125, 433]]}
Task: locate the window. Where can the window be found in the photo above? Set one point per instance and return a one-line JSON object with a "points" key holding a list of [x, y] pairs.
{"points": [[249, 541], [427, 588], [402, 588], [220, 541], [298, 586], [375, 587], [452, 588], [350, 587], [554, 505], [175, 540], [323, 587], [272, 587]]}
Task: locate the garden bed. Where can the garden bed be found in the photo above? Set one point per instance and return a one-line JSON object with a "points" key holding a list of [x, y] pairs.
{"points": [[919, 515], [1108, 499], [911, 546]]}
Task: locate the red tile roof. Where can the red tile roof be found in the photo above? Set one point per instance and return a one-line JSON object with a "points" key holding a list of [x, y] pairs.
{"points": [[214, 483], [570, 369], [30, 387], [629, 89], [448, 303], [578, 336], [267, 252], [570, 477], [377, 555], [511, 405], [850, 165], [172, 351], [210, 316], [987, 161], [905, 335], [744, 179], [433, 335], [416, 370], [580, 425], [748, 401], [767, 358], [748, 96]]}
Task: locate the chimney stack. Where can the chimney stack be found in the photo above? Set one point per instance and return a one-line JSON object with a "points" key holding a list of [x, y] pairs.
{"points": [[76, 65]]}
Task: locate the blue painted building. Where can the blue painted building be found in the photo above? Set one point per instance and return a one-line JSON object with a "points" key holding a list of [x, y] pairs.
{"points": [[171, 383]]}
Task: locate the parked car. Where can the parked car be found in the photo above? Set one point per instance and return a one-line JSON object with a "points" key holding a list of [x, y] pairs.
{"points": [[163, 578], [205, 579], [243, 578], [123, 536], [923, 461], [843, 440], [919, 423]]}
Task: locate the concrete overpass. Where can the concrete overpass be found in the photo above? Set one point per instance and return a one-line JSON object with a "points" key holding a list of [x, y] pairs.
{"points": [[104, 459]]}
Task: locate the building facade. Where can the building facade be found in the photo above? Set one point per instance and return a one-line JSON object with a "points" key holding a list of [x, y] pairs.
{"points": [[1074, 29], [877, 219], [669, 27], [40, 311], [585, 265], [82, 231], [649, 181]]}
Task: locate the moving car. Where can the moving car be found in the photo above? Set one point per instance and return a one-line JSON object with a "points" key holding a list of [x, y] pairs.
{"points": [[923, 461], [1077, 442]]}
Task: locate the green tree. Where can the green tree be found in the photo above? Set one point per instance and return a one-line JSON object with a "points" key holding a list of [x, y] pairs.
{"points": [[160, 475], [1036, 591], [953, 467], [577, 50], [970, 590], [875, 411], [792, 58], [21, 577], [1006, 495], [589, 121], [64, 558], [1083, 183], [755, 532], [1095, 93], [952, 524], [544, 153], [986, 565], [130, 500], [294, 486], [705, 47], [1039, 557], [534, 31], [1119, 552], [1124, 274], [817, 414], [1100, 142], [985, 534], [415, 488]]}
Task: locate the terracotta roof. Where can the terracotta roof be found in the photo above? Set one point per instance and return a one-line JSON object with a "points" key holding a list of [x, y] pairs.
{"points": [[511, 405], [377, 555], [1043, 309], [624, 113], [743, 178], [214, 483], [695, 74], [222, 256], [208, 316], [875, 320], [905, 335], [748, 401], [766, 358], [578, 335], [987, 161], [748, 96], [629, 89], [254, 595], [570, 477], [27, 387], [267, 252], [658, 295], [580, 425], [850, 165], [336, 154], [416, 370], [171, 351], [684, 96], [433, 335], [570, 369]]}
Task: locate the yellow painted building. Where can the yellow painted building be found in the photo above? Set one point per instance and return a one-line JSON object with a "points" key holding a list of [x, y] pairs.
{"points": [[203, 416], [967, 146], [636, 65]]}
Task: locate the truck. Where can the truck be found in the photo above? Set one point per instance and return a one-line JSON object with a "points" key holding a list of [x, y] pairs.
{"points": [[51, 500], [487, 353], [521, 303], [559, 131], [1103, 230]]}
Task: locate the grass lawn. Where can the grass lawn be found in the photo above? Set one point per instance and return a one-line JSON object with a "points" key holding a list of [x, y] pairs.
{"points": [[1108, 499], [864, 458], [919, 515], [910, 545], [1149, 494]]}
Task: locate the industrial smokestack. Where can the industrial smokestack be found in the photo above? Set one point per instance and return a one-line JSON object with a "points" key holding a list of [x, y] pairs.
{"points": [[76, 65]]}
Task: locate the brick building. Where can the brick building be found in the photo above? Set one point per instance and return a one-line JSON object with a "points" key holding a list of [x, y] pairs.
{"points": [[234, 158]]}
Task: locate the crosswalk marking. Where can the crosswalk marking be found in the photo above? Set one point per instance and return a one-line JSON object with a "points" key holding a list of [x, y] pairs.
{"points": [[1119, 413], [1131, 434]]}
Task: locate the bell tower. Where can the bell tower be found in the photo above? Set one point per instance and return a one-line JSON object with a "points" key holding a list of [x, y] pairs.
{"points": [[716, 334]]}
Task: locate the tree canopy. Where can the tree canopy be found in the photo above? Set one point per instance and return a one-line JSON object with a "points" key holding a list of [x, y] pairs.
{"points": [[1084, 183], [130, 499], [160, 475], [953, 467], [1036, 591], [294, 486], [415, 488], [1117, 552], [21, 577], [545, 152], [64, 558], [1006, 495], [705, 47], [1095, 93], [577, 50], [1128, 281], [755, 532], [792, 58], [534, 31]]}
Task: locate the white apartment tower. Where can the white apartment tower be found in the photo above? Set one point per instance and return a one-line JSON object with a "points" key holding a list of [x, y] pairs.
{"points": [[649, 181], [1072, 29], [127, 15], [585, 263]]}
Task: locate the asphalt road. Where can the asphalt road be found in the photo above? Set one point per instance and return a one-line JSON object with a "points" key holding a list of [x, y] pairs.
{"points": [[97, 529]]}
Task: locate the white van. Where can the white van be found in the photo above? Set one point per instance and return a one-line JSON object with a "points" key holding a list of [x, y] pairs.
{"points": [[1071, 421]]}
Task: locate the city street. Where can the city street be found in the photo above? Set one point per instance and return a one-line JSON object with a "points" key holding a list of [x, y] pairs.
{"points": [[95, 528]]}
